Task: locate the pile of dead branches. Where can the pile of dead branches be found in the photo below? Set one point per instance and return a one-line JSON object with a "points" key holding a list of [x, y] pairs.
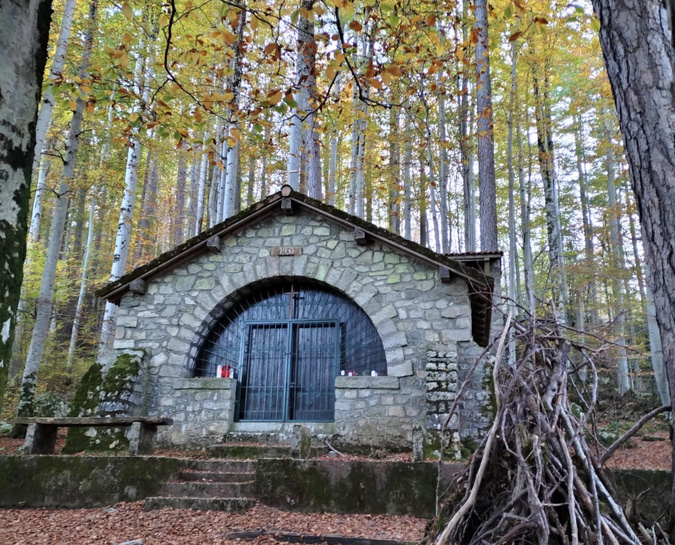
{"points": [[535, 478]]}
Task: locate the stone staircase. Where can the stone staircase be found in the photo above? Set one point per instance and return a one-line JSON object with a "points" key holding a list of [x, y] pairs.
{"points": [[209, 485]]}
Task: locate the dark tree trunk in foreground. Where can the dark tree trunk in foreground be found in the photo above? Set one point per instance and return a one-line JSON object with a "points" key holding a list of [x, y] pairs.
{"points": [[24, 31], [635, 41]]}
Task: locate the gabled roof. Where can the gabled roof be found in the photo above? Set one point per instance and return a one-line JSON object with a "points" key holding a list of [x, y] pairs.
{"points": [[288, 201]]}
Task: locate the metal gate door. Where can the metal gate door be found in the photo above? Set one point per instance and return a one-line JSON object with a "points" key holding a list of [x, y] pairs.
{"points": [[288, 371]]}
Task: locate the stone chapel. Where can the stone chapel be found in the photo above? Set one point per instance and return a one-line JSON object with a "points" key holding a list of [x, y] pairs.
{"points": [[292, 312]]}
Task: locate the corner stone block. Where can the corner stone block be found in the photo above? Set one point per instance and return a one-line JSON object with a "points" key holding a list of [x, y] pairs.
{"points": [[403, 369], [127, 321], [123, 344]]}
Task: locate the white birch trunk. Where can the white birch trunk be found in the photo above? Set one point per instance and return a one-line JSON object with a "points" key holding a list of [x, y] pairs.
{"points": [[199, 221], [123, 236], [512, 196], [443, 185], [232, 169], [407, 181], [624, 378], [38, 200], [47, 106]]}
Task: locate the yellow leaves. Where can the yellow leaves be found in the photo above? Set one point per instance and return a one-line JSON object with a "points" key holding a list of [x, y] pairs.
{"points": [[595, 24], [127, 11], [387, 78], [330, 72], [126, 39], [199, 118], [459, 53], [356, 26], [85, 89], [228, 36], [254, 23], [318, 10], [72, 105], [124, 60], [274, 97], [520, 7], [133, 117]]}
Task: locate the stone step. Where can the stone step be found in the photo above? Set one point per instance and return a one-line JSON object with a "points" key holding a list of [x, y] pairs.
{"points": [[216, 476], [231, 505], [208, 490], [255, 451], [223, 466]]}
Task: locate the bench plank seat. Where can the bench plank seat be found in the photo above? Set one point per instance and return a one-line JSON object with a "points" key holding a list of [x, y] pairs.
{"points": [[41, 435], [92, 421]]}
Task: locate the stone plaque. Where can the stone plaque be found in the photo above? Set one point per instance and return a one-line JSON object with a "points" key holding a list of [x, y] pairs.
{"points": [[282, 251]]}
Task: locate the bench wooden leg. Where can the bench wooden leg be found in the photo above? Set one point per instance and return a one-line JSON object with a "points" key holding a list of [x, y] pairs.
{"points": [[40, 439], [142, 438]]}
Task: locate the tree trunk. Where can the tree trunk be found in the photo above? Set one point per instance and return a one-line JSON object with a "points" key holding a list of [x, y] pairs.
{"points": [[512, 196], [639, 65], [179, 219], [589, 250], [38, 200], [525, 207], [46, 298], [487, 187], [230, 193], [201, 191], [466, 151], [123, 236], [395, 168], [407, 182], [24, 30], [624, 379], [443, 182], [548, 174], [55, 73]]}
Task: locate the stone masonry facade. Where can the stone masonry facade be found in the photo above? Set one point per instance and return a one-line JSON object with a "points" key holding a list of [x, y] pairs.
{"points": [[424, 325]]}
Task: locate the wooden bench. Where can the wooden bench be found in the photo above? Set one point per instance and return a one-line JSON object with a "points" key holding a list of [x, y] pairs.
{"points": [[41, 435]]}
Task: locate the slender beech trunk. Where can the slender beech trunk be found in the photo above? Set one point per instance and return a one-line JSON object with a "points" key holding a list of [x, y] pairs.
{"points": [[251, 179], [525, 206], [393, 207], [179, 219], [38, 200], [46, 297], [487, 187], [407, 182], [589, 250], [547, 166], [123, 236], [512, 197], [201, 191], [55, 74], [230, 192], [624, 378], [446, 235], [466, 150]]}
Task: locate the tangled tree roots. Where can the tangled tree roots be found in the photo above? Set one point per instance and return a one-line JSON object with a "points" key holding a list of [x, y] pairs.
{"points": [[535, 479]]}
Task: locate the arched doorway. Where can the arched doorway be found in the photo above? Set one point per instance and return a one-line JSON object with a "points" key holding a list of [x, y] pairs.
{"points": [[284, 343]]}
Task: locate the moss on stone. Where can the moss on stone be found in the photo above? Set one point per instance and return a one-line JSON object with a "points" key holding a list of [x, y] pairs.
{"points": [[85, 403], [115, 400]]}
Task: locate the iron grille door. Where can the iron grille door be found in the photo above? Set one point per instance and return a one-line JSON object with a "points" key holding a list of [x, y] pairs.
{"points": [[263, 385], [314, 365], [288, 371]]}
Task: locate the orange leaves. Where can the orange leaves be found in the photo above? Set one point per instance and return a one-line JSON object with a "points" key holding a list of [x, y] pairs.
{"points": [[273, 50], [356, 26]]}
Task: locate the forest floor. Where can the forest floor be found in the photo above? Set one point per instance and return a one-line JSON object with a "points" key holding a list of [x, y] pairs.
{"points": [[127, 521], [650, 449]]}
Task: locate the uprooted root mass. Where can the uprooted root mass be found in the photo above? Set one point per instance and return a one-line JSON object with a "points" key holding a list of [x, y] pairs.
{"points": [[535, 479]]}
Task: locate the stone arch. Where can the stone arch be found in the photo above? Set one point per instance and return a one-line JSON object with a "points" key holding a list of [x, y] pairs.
{"points": [[380, 316]]}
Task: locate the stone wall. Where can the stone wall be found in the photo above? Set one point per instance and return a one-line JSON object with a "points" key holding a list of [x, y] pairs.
{"points": [[377, 411], [201, 408], [412, 310]]}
